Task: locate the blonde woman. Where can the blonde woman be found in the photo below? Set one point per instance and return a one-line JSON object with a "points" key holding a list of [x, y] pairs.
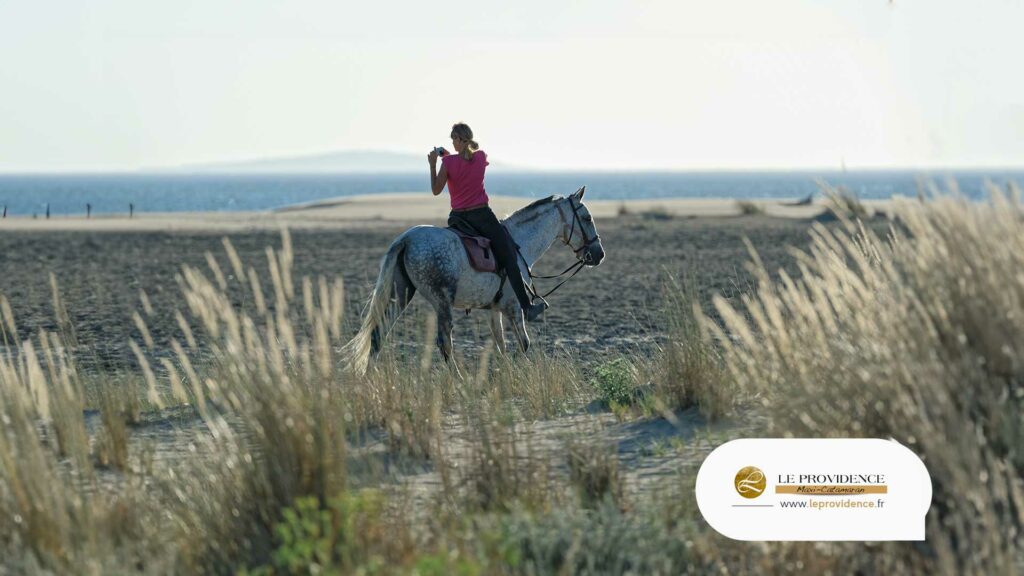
{"points": [[463, 173]]}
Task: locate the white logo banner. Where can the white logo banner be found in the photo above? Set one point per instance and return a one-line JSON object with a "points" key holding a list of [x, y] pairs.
{"points": [[814, 489]]}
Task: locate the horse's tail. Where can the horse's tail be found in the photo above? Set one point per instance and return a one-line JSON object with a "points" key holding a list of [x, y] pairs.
{"points": [[357, 351]]}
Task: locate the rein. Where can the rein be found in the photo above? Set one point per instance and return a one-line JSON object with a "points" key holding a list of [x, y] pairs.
{"points": [[575, 266], [578, 265]]}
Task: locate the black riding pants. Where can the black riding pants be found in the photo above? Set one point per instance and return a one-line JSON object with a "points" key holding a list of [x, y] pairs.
{"points": [[487, 224]]}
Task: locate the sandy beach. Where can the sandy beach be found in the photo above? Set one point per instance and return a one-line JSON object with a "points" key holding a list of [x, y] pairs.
{"points": [[393, 207]]}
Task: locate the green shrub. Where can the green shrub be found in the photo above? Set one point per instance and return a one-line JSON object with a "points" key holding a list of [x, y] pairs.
{"points": [[442, 564], [605, 540], [615, 382], [351, 534]]}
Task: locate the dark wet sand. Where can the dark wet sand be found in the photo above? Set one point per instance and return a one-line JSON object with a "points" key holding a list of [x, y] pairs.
{"points": [[609, 309]]}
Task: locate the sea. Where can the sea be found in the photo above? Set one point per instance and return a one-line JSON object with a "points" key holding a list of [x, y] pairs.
{"points": [[68, 194]]}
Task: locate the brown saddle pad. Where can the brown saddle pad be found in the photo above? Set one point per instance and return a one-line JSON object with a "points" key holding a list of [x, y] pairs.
{"points": [[478, 248]]}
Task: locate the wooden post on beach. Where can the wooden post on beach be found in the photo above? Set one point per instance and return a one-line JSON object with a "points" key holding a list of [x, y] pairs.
{"points": [[5, 210], [131, 210], [88, 211], [47, 210]]}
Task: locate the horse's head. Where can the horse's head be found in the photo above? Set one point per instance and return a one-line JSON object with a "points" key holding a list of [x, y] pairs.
{"points": [[580, 233]]}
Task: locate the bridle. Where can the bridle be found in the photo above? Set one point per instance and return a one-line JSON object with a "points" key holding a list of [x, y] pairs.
{"points": [[567, 240]]}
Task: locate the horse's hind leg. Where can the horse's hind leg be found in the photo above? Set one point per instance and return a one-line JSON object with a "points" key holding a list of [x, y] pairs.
{"points": [[435, 271], [442, 300], [403, 292], [445, 323]]}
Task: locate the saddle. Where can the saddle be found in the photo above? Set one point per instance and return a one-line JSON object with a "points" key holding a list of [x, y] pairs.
{"points": [[478, 248]]}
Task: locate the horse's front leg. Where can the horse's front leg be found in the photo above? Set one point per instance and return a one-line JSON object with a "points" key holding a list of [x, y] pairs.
{"points": [[497, 331], [515, 317]]}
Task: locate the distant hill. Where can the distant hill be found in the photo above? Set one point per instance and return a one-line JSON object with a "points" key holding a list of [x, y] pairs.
{"points": [[341, 161]]}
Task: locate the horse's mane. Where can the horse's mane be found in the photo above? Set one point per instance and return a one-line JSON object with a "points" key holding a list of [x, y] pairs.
{"points": [[525, 210]]}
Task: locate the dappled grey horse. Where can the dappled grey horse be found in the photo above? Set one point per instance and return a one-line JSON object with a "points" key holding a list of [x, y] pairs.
{"points": [[432, 261]]}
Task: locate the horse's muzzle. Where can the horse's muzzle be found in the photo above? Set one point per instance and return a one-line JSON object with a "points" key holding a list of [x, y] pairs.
{"points": [[593, 255]]}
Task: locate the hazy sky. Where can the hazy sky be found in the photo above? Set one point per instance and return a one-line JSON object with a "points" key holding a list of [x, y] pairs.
{"points": [[108, 85]]}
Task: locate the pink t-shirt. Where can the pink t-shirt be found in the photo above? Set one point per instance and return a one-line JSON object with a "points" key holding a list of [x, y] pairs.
{"points": [[466, 179]]}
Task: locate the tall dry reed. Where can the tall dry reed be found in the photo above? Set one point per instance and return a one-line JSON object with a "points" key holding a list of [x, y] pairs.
{"points": [[55, 515], [918, 337]]}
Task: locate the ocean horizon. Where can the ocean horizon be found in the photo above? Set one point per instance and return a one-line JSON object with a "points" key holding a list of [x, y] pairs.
{"points": [[68, 194]]}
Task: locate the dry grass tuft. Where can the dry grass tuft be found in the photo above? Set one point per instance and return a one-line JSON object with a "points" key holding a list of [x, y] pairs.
{"points": [[656, 213], [749, 208], [273, 399], [54, 517], [594, 473], [918, 337], [494, 471], [688, 368], [843, 203], [537, 386]]}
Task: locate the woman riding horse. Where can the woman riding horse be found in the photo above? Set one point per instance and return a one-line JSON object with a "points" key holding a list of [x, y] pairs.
{"points": [[432, 261], [463, 172]]}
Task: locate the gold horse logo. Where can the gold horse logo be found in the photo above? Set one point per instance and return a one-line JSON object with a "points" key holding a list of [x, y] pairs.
{"points": [[750, 482]]}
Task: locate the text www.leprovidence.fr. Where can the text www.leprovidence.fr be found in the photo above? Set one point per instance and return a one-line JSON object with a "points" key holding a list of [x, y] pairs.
{"points": [[827, 504]]}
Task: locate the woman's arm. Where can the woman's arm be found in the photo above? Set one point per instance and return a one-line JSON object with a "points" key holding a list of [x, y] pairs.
{"points": [[437, 180]]}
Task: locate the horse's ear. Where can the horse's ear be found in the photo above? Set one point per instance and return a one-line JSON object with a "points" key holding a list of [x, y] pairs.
{"points": [[579, 193]]}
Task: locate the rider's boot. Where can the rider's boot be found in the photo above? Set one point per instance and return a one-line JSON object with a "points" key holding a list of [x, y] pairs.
{"points": [[534, 310], [530, 310]]}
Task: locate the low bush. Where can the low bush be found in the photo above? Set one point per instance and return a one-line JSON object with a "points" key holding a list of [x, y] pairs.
{"points": [[615, 382], [351, 534]]}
